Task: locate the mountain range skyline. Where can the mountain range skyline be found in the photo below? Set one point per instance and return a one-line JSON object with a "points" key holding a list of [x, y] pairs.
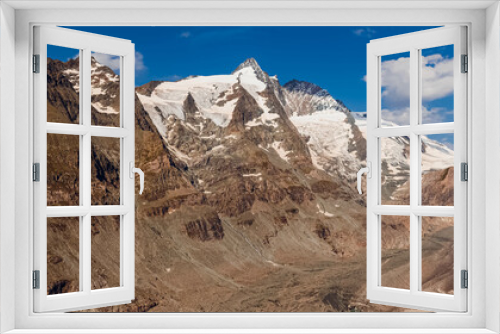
{"points": [[332, 57]]}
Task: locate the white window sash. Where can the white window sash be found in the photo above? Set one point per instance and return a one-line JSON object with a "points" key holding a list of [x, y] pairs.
{"points": [[86, 297]]}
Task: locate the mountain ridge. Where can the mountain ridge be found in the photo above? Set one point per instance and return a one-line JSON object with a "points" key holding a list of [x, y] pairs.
{"points": [[249, 198]]}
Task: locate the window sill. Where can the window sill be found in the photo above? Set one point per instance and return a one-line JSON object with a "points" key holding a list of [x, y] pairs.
{"points": [[252, 331]]}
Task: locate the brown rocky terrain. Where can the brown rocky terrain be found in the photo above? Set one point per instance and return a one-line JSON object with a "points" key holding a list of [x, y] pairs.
{"points": [[227, 221]]}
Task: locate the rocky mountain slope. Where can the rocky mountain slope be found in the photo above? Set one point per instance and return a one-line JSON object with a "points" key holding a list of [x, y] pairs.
{"points": [[249, 203]]}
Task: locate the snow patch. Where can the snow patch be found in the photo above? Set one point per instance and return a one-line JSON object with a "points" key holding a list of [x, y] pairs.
{"points": [[324, 212], [104, 110], [437, 156], [207, 137], [281, 152], [329, 136], [218, 147]]}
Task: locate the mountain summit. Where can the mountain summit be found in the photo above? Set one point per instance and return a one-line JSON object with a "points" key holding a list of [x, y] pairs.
{"points": [[305, 87], [251, 63]]}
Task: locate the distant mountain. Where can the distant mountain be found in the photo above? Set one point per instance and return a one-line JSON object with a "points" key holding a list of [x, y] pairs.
{"points": [[335, 141], [304, 98]]}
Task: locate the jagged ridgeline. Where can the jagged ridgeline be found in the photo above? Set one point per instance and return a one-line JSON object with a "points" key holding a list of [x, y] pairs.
{"points": [[249, 202]]}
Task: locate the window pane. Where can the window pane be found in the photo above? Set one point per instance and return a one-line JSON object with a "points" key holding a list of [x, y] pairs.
{"points": [[63, 84], [395, 89], [437, 169], [437, 84], [105, 171], [437, 254], [395, 170], [105, 89], [395, 251], [63, 170], [105, 252], [63, 255]]}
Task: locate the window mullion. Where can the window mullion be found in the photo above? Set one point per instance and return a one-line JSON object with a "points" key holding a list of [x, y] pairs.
{"points": [[81, 235], [86, 167], [414, 170], [418, 170]]}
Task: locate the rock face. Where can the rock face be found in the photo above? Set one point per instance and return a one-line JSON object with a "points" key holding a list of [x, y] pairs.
{"points": [[249, 194], [305, 98], [205, 229]]}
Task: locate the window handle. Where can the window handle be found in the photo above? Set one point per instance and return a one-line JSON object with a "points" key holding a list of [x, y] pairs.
{"points": [[368, 171], [132, 171]]}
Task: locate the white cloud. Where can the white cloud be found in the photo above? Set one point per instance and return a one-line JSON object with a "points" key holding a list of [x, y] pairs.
{"points": [[402, 116], [435, 115], [113, 62], [364, 32], [437, 77], [139, 61], [185, 34], [437, 83], [396, 83]]}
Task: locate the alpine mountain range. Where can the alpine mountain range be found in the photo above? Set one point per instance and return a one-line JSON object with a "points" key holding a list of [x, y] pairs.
{"points": [[250, 202]]}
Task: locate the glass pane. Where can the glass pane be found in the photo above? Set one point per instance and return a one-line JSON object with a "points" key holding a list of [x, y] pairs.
{"points": [[437, 254], [63, 84], [395, 170], [63, 170], [105, 252], [105, 171], [395, 251], [437, 169], [105, 89], [395, 89], [437, 85], [63, 255]]}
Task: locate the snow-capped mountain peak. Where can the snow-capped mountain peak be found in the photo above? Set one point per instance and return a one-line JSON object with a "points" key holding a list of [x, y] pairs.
{"points": [[250, 66], [105, 84], [306, 87], [305, 98], [214, 96]]}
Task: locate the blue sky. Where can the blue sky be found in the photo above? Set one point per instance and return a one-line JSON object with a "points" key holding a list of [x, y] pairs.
{"points": [[331, 57]]}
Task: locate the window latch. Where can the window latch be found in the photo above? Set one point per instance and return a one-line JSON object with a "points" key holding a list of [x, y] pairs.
{"points": [[132, 171], [368, 171]]}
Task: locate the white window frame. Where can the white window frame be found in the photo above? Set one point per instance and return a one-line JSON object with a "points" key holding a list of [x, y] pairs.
{"points": [[482, 20]]}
